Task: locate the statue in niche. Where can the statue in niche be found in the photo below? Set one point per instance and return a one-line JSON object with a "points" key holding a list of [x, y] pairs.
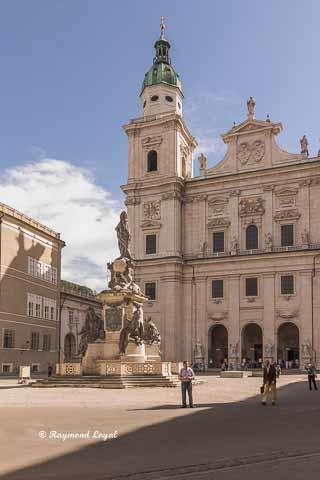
{"points": [[234, 244], [268, 240], [92, 330], [304, 145], [305, 237], [124, 236]]}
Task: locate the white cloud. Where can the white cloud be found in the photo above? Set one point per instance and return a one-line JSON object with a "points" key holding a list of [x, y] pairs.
{"points": [[67, 199]]}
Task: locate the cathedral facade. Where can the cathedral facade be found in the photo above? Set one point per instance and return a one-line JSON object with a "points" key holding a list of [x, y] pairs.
{"points": [[230, 258]]}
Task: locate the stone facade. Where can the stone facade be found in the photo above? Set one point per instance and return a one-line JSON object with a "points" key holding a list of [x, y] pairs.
{"points": [[230, 256], [30, 256], [75, 301]]}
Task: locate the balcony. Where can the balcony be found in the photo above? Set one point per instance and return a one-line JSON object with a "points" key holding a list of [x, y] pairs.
{"points": [[257, 251]]}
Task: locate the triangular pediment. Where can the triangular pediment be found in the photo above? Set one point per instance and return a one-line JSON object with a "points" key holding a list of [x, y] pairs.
{"points": [[251, 126]]}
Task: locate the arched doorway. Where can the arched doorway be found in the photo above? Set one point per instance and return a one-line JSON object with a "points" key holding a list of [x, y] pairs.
{"points": [[218, 345], [251, 344], [288, 345], [69, 347]]}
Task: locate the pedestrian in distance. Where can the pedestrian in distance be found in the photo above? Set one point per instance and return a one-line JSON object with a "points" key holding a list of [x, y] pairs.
{"points": [[50, 369], [269, 383], [312, 375], [186, 376]]}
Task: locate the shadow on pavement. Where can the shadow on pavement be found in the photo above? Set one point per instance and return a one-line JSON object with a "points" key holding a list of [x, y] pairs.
{"points": [[220, 437]]}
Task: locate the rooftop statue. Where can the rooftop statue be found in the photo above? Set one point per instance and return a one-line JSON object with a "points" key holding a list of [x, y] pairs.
{"points": [[304, 145], [251, 105]]}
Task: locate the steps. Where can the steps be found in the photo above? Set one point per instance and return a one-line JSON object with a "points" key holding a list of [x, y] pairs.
{"points": [[110, 381]]}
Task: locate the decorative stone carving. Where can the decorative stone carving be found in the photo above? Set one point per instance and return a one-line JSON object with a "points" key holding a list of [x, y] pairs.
{"points": [[132, 201], [292, 214], [235, 193], [287, 314], [149, 142], [251, 206], [268, 188], [219, 222], [254, 150], [216, 206], [133, 330], [150, 224], [306, 349], [152, 210], [92, 330], [287, 200], [304, 146], [171, 195], [203, 248]]}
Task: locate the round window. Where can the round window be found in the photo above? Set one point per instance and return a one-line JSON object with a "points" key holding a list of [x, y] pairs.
{"points": [[169, 99], [154, 98]]}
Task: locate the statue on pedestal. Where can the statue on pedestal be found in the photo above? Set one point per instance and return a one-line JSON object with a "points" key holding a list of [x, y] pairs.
{"points": [[124, 236], [304, 146], [92, 330]]}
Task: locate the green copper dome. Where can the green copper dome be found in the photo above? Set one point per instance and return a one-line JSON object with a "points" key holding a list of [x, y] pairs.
{"points": [[161, 70]]}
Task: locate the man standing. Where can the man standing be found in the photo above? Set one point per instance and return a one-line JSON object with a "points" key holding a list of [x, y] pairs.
{"points": [[186, 376], [312, 374], [269, 383]]}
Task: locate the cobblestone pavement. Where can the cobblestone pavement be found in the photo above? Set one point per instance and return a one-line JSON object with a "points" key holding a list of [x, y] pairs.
{"points": [[229, 436]]}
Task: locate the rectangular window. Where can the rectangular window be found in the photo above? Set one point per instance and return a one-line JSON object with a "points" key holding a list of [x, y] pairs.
{"points": [[151, 244], [7, 368], [8, 338], [30, 306], [287, 285], [251, 287], [218, 242], [150, 290], [46, 343], [35, 341], [35, 368], [42, 270], [217, 288], [287, 239]]}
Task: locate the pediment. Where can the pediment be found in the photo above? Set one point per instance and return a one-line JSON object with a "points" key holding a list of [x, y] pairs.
{"points": [[284, 191], [251, 126], [217, 201]]}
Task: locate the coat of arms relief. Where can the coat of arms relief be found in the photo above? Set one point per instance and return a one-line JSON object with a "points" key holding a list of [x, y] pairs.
{"points": [[251, 151]]}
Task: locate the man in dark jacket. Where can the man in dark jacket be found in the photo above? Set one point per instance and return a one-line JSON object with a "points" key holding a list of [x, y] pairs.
{"points": [[269, 383]]}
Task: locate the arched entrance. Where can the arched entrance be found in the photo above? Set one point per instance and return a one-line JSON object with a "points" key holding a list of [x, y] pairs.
{"points": [[288, 345], [69, 347], [251, 344], [218, 345]]}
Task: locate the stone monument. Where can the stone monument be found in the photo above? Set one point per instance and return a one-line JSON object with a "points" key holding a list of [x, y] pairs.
{"points": [[124, 343]]}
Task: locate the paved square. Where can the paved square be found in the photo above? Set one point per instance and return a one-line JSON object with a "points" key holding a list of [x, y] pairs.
{"points": [[156, 439]]}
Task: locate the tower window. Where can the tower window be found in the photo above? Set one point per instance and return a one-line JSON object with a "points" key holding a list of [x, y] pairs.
{"points": [[154, 98], [169, 99], [152, 161], [251, 237], [144, 103]]}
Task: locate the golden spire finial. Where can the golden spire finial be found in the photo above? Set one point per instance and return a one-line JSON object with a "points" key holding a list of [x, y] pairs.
{"points": [[162, 26]]}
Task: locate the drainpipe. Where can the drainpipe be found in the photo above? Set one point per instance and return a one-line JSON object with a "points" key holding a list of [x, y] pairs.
{"points": [[312, 304]]}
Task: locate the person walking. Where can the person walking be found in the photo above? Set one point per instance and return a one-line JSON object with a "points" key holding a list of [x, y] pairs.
{"points": [[186, 376], [50, 370], [269, 383], [312, 374]]}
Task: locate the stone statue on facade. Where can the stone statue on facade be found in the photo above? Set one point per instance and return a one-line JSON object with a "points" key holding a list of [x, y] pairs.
{"points": [[234, 244], [268, 240], [124, 236], [268, 349], [234, 348], [202, 162], [251, 105], [306, 349], [305, 237], [304, 146], [92, 330], [203, 248], [151, 332]]}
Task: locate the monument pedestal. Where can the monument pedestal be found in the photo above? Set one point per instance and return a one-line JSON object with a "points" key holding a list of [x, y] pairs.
{"points": [[134, 353]]}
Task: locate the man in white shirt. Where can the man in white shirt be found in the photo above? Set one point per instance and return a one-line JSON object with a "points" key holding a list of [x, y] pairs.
{"points": [[186, 376]]}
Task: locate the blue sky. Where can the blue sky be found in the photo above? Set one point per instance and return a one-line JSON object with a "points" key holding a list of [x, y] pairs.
{"points": [[71, 73]]}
